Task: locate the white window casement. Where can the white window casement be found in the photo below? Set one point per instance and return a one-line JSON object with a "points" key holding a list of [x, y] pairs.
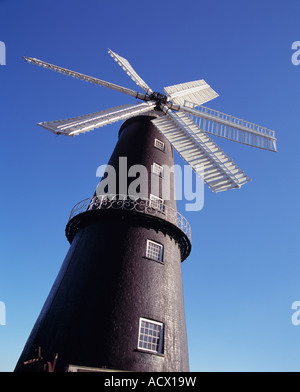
{"points": [[157, 203], [154, 251], [158, 169], [151, 336], [159, 144]]}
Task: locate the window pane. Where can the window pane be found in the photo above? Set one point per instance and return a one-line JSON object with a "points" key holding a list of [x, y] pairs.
{"points": [[157, 203], [147, 341], [159, 144], [154, 250], [157, 169]]}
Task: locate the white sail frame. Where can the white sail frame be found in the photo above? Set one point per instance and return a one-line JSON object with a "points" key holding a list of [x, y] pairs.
{"points": [[200, 152], [88, 122], [232, 128]]}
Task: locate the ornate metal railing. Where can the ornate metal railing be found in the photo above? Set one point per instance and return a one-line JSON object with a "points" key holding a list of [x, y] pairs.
{"points": [[124, 202]]}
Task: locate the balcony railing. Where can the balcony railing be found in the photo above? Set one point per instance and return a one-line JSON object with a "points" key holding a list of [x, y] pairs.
{"points": [[124, 202]]}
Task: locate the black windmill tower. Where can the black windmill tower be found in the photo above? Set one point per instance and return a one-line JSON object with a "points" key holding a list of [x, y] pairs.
{"points": [[117, 302]]}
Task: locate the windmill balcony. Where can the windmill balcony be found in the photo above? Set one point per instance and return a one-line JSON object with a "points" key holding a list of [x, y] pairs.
{"points": [[169, 219]]}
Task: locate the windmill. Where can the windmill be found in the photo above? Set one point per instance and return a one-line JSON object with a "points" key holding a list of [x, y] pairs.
{"points": [[118, 296], [185, 123]]}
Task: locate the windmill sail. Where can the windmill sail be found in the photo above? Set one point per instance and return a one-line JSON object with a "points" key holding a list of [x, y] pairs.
{"points": [[88, 122], [130, 71], [197, 92], [231, 128], [207, 159], [87, 78]]}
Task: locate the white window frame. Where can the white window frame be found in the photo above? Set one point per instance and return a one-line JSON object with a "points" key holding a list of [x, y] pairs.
{"points": [[157, 202], [159, 144], [149, 252], [150, 337], [158, 169]]}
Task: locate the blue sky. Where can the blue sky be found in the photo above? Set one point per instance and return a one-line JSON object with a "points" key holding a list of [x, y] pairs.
{"points": [[243, 273]]}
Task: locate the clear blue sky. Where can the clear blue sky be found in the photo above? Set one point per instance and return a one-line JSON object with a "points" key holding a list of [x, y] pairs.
{"points": [[243, 273]]}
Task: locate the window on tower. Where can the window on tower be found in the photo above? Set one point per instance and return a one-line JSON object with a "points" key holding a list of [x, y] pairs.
{"points": [[159, 144], [151, 336], [157, 203], [158, 169], [154, 250]]}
